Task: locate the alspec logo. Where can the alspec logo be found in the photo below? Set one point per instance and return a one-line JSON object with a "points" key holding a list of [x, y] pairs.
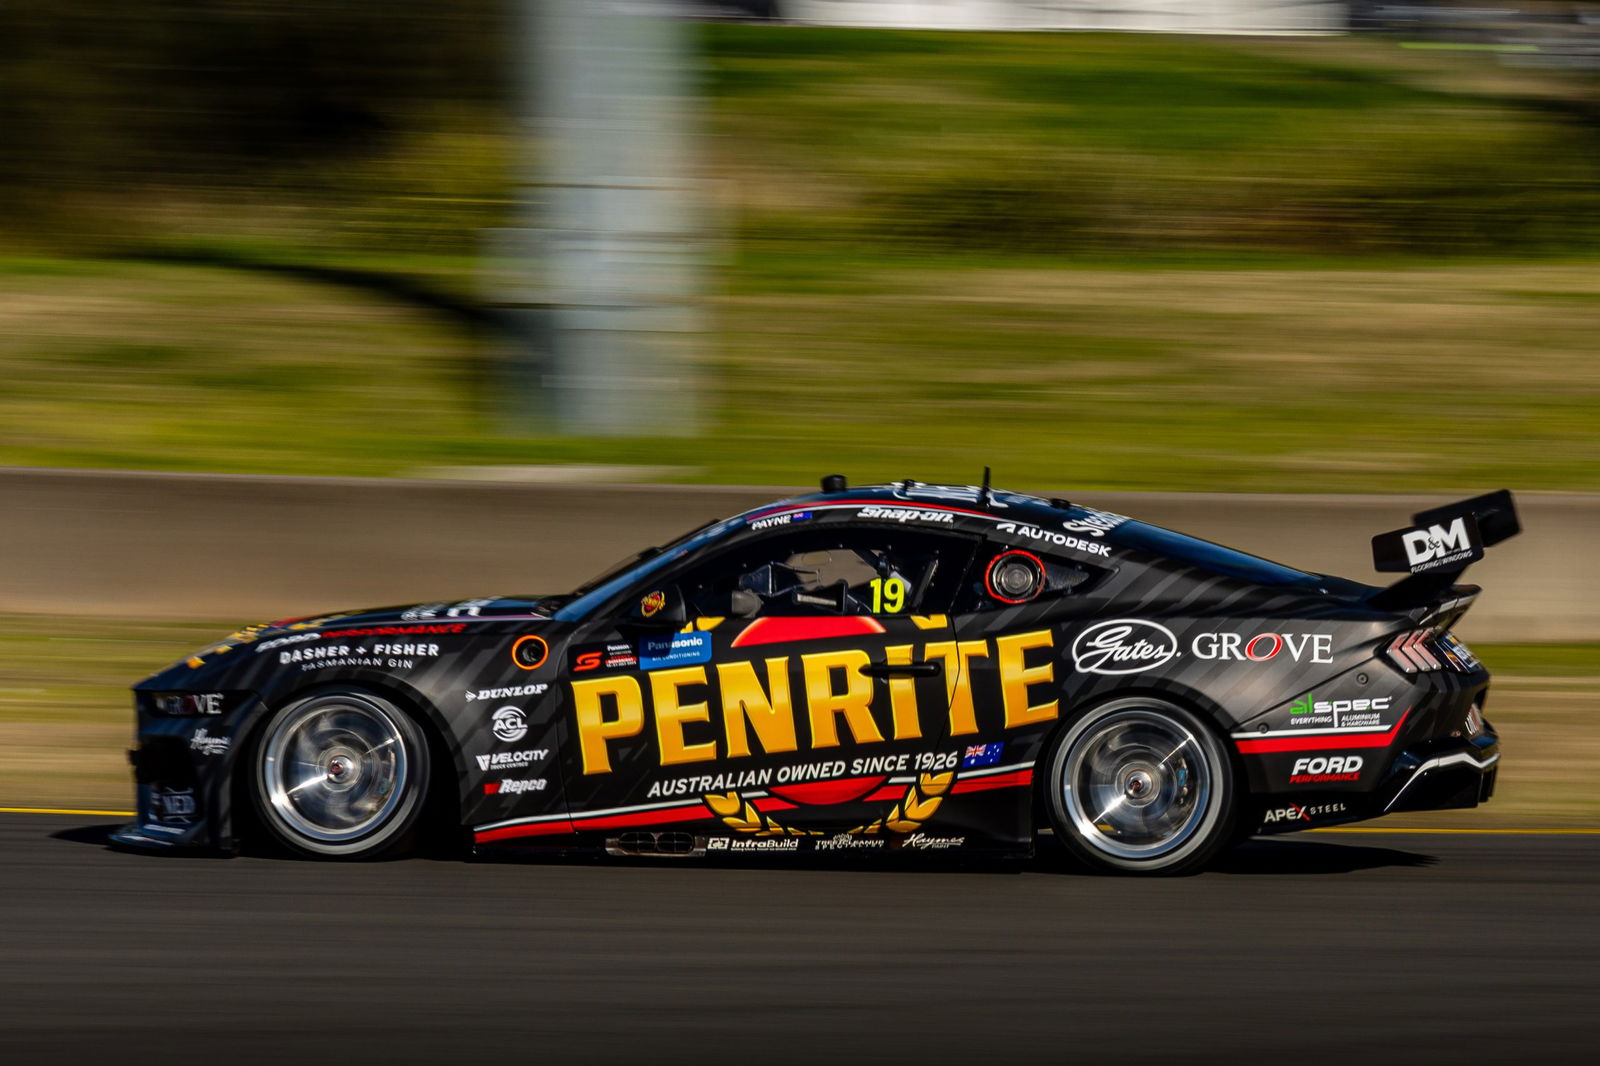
{"points": [[1324, 769], [1437, 545], [509, 724], [1123, 646], [1309, 704]]}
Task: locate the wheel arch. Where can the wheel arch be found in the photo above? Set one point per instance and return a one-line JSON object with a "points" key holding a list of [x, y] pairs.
{"points": [[1186, 696], [443, 801]]}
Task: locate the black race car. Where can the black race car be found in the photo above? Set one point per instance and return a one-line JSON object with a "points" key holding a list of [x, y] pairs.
{"points": [[899, 668]]}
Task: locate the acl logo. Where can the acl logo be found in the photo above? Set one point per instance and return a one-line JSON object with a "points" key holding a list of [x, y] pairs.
{"points": [[1435, 542], [509, 724], [1330, 768]]}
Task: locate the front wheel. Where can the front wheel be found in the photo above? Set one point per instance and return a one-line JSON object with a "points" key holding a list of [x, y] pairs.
{"points": [[1140, 785], [341, 775]]}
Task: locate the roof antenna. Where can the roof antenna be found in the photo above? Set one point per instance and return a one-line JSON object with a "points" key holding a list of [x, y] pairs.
{"points": [[983, 493], [834, 483]]}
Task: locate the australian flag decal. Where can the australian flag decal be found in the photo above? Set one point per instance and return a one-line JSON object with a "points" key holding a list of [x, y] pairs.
{"points": [[982, 755]]}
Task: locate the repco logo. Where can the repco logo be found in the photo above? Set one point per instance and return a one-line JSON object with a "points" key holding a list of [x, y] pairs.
{"points": [[1323, 769], [1436, 542]]}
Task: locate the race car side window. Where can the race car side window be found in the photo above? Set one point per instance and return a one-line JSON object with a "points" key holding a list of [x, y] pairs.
{"points": [[831, 570], [1005, 576]]}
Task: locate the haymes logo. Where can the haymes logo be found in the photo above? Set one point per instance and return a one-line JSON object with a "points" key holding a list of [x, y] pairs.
{"points": [[1123, 646]]}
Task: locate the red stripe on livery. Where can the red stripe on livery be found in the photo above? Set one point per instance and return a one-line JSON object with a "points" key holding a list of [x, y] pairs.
{"points": [[694, 812], [1324, 742], [778, 630], [1020, 779], [697, 812], [824, 793]]}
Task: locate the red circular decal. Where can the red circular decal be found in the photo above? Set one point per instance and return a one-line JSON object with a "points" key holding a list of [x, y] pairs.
{"points": [[1015, 556], [529, 653]]}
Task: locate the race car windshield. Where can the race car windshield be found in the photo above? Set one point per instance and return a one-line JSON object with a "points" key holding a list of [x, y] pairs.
{"points": [[1203, 553], [593, 593]]}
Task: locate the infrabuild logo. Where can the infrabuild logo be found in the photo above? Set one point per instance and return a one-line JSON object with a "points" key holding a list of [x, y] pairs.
{"points": [[753, 844]]}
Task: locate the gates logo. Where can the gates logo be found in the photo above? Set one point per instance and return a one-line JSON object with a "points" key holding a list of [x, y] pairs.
{"points": [[1123, 646]]}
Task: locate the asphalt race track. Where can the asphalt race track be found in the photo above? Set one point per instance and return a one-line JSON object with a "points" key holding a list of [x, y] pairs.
{"points": [[1343, 949]]}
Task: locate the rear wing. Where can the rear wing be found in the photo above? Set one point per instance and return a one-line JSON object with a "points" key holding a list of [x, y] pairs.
{"points": [[1440, 544]]}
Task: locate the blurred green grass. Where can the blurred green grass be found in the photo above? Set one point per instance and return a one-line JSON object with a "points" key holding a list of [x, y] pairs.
{"points": [[66, 717], [1088, 260]]}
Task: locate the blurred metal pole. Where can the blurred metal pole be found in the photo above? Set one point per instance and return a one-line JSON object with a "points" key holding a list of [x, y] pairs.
{"points": [[602, 274]]}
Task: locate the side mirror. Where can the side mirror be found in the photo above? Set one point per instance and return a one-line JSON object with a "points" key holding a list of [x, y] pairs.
{"points": [[742, 603], [660, 608], [739, 603]]}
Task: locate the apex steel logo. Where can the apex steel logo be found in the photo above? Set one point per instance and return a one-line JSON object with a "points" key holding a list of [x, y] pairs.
{"points": [[1437, 545], [1123, 646]]}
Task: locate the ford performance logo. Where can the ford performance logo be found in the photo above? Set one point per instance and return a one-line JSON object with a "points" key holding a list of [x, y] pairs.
{"points": [[1123, 646]]}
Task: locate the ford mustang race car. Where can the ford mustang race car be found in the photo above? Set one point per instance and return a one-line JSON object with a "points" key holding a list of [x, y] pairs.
{"points": [[902, 668]]}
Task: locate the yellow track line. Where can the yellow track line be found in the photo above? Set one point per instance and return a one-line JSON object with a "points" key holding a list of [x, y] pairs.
{"points": [[62, 810]]}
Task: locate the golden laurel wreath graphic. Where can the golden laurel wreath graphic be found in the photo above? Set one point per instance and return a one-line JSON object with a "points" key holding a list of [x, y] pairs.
{"points": [[921, 800]]}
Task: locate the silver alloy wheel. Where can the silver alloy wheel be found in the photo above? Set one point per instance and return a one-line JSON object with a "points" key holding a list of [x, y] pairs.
{"points": [[1137, 784], [335, 768]]}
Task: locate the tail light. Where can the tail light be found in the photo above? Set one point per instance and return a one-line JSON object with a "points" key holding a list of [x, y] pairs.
{"points": [[1428, 649]]}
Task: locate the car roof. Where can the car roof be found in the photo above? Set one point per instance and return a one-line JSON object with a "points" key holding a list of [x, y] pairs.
{"points": [[972, 500]]}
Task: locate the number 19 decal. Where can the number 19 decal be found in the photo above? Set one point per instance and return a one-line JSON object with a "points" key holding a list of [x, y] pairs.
{"points": [[888, 595]]}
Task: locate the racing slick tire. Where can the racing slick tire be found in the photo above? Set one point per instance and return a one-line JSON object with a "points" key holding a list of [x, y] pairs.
{"points": [[340, 774], [1140, 786]]}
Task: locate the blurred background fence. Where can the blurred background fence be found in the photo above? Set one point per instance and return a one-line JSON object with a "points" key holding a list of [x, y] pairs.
{"points": [[238, 549]]}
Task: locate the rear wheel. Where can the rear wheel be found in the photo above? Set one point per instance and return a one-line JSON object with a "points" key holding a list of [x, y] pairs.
{"points": [[341, 775], [1140, 785]]}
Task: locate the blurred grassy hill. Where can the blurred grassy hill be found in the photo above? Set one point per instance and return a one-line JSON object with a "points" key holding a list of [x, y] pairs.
{"points": [[1090, 260]]}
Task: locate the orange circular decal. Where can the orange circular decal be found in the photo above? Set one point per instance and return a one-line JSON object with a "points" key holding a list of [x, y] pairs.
{"points": [[652, 604], [529, 653]]}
